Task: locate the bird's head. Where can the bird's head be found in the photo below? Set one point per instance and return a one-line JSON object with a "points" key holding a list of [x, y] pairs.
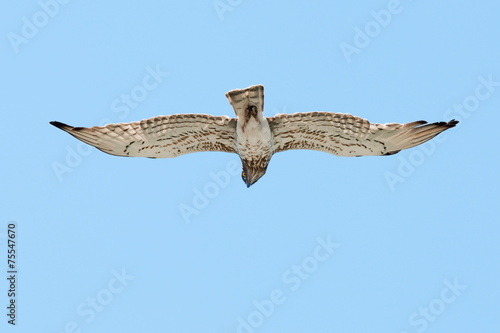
{"points": [[252, 172]]}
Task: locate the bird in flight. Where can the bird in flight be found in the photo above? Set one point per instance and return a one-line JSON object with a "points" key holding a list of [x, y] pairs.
{"points": [[252, 136]]}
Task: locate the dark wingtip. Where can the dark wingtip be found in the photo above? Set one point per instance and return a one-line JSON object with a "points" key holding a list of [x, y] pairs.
{"points": [[452, 123], [60, 125]]}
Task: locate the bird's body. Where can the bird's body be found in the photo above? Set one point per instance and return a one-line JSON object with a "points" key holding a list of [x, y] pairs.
{"points": [[254, 143], [254, 137], [254, 140]]}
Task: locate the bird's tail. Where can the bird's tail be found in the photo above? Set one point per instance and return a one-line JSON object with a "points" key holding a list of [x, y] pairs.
{"points": [[243, 100]]}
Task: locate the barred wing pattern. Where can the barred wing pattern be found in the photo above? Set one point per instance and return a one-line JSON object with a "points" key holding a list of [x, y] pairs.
{"points": [[160, 137], [346, 135]]}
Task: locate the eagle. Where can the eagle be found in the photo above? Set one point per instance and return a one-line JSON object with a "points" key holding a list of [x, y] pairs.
{"points": [[252, 136]]}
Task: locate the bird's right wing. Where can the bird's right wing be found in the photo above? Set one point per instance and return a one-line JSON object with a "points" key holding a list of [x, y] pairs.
{"points": [[159, 137], [346, 135]]}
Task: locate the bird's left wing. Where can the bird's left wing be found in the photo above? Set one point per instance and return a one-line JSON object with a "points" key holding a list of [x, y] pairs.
{"points": [[159, 137], [346, 135]]}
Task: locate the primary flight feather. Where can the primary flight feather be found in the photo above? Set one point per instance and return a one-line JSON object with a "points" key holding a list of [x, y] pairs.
{"points": [[252, 136]]}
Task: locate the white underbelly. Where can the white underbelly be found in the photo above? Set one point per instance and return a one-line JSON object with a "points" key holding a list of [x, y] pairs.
{"points": [[254, 138]]}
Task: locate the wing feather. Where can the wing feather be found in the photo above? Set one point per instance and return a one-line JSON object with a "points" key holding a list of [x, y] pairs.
{"points": [[346, 135], [160, 137]]}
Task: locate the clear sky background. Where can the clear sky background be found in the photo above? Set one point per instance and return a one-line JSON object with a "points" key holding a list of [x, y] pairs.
{"points": [[404, 243]]}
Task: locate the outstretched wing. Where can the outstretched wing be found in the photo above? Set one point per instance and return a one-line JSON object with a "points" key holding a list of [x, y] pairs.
{"points": [[346, 135], [159, 137]]}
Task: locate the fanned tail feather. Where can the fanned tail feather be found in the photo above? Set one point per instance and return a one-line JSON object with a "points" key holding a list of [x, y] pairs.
{"points": [[240, 99]]}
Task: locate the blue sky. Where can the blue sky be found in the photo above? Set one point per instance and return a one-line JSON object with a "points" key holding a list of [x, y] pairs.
{"points": [[404, 243]]}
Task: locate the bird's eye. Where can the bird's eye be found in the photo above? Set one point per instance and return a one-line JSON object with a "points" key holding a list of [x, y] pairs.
{"points": [[243, 174]]}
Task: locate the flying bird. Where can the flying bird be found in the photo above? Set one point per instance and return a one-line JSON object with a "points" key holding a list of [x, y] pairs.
{"points": [[252, 136]]}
